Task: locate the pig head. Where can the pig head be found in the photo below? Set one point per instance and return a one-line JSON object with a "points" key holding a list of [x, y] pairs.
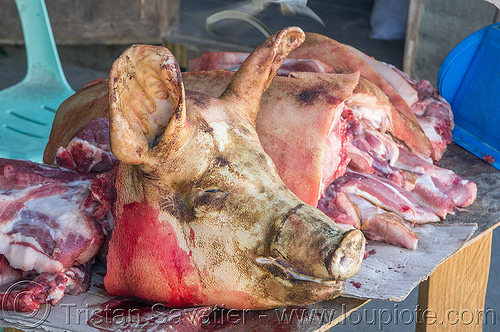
{"points": [[202, 217]]}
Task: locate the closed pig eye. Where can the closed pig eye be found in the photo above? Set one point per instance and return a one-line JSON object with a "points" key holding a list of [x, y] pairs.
{"points": [[214, 197], [214, 190]]}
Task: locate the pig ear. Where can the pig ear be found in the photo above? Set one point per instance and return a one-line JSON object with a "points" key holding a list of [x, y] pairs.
{"points": [[258, 70], [146, 96]]}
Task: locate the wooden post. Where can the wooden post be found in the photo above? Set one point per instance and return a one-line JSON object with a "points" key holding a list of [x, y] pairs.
{"points": [[453, 296]]}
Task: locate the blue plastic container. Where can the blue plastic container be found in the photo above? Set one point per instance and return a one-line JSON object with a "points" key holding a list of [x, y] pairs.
{"points": [[469, 78]]}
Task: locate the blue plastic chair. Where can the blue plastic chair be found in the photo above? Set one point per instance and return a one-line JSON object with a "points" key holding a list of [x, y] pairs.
{"points": [[27, 109]]}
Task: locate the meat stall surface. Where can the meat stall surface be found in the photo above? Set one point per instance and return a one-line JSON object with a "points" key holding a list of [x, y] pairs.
{"points": [[336, 140]]}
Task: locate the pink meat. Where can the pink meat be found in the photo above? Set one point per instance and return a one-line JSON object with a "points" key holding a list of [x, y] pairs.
{"points": [[390, 228], [433, 112], [385, 194], [380, 225], [430, 192], [232, 60], [340, 209], [52, 224], [48, 227], [46, 288], [89, 150], [463, 192]]}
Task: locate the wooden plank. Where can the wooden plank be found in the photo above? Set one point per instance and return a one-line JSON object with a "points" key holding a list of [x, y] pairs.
{"points": [[98, 21], [435, 27], [453, 296], [411, 41]]}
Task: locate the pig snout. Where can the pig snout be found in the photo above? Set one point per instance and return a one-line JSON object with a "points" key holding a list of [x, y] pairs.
{"points": [[308, 245]]}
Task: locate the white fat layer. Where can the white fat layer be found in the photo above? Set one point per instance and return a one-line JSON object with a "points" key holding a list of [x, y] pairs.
{"points": [[429, 130], [63, 208], [367, 209], [405, 90], [378, 119], [426, 181], [413, 215], [26, 258]]}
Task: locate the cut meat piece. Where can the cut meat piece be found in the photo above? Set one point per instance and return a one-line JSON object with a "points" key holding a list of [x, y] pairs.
{"points": [[306, 103], [433, 111], [340, 209], [385, 194], [463, 192], [404, 124], [232, 60], [46, 219], [89, 150], [90, 102], [46, 288], [380, 225], [390, 228], [435, 117], [376, 223], [430, 192]]}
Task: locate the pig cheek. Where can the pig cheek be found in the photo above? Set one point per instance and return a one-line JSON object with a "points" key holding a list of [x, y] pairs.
{"points": [[145, 260], [225, 259]]}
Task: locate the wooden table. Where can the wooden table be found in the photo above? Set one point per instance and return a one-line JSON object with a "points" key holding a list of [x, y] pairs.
{"points": [[451, 298], [457, 288]]}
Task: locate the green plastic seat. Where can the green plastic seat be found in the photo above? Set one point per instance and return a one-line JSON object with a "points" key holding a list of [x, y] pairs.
{"points": [[27, 108]]}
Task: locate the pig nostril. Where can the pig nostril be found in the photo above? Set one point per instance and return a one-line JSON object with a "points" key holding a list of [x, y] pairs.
{"points": [[345, 260]]}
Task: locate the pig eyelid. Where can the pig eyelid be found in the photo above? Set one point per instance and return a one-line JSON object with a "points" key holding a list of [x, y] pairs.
{"points": [[214, 190]]}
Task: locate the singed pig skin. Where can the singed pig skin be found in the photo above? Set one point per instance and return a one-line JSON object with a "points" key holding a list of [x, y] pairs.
{"points": [[202, 216]]}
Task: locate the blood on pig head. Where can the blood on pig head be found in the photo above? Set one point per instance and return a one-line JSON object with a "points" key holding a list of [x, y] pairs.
{"points": [[202, 217]]}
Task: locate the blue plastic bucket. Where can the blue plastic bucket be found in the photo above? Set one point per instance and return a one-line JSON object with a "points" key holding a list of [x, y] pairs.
{"points": [[469, 78]]}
